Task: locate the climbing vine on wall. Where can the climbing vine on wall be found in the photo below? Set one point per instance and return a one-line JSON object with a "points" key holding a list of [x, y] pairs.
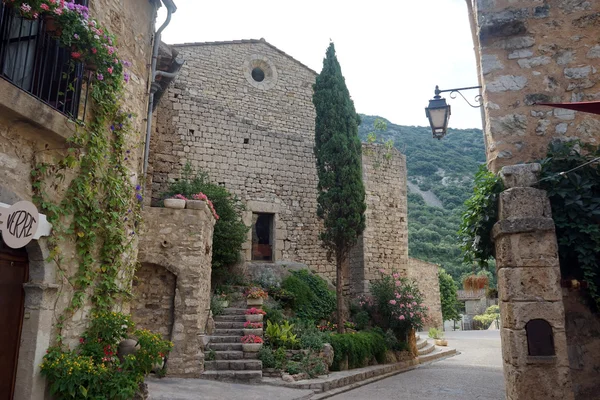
{"points": [[99, 211], [571, 177]]}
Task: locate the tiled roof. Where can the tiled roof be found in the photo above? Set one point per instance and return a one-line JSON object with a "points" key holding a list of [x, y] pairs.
{"points": [[245, 41], [470, 295]]}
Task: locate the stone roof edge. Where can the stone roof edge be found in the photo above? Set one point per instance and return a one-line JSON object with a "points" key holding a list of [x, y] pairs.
{"points": [[245, 41]]}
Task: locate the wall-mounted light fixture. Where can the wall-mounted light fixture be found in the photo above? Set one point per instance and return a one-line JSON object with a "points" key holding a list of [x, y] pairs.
{"points": [[438, 111]]}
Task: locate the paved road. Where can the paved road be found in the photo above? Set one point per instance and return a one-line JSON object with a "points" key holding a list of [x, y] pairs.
{"points": [[475, 374]]}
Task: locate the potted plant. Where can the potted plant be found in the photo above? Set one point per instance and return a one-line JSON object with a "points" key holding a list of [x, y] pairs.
{"points": [[253, 328], [255, 314], [438, 337], [255, 296], [178, 201], [199, 201], [251, 343]]}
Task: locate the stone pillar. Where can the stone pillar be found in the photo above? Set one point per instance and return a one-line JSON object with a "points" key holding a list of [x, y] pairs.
{"points": [[536, 364]]}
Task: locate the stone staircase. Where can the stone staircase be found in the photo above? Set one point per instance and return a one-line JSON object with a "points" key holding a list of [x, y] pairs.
{"points": [[430, 352], [231, 363]]}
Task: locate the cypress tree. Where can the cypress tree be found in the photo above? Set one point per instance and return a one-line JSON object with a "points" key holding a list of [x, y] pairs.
{"points": [[341, 193]]}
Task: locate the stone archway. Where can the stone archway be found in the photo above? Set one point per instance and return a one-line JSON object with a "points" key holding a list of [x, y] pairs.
{"points": [[153, 304]]}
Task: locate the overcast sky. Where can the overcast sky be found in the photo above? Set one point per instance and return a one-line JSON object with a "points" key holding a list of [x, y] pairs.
{"points": [[392, 52]]}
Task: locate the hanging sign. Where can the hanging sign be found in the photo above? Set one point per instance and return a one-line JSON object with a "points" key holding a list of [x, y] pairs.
{"points": [[19, 224]]}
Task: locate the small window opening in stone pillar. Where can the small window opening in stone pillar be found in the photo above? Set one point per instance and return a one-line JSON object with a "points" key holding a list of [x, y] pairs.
{"points": [[263, 234], [540, 339]]}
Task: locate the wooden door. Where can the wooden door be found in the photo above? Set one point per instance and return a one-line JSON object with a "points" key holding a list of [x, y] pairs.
{"points": [[13, 273]]}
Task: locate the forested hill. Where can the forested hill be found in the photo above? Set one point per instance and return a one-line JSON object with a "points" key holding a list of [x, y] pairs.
{"points": [[441, 174]]}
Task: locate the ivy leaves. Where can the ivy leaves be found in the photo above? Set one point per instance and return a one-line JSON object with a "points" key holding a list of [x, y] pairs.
{"points": [[479, 218], [575, 200]]}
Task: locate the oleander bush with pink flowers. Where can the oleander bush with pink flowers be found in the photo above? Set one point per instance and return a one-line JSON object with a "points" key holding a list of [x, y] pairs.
{"points": [[396, 304]]}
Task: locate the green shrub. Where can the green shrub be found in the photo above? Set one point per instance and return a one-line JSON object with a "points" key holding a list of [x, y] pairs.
{"points": [[360, 348], [266, 355], [312, 298], [293, 368], [230, 232], [275, 315], [281, 335], [362, 320], [216, 306]]}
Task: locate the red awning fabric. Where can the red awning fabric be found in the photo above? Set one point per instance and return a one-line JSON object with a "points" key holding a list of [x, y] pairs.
{"points": [[592, 107]]}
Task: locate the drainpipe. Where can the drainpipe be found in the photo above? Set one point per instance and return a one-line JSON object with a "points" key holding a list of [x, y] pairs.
{"points": [[171, 8]]}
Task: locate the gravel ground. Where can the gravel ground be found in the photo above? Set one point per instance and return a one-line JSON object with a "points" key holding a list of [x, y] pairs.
{"points": [[476, 373]]}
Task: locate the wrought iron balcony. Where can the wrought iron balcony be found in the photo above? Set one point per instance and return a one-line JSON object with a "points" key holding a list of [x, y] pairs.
{"points": [[32, 60]]}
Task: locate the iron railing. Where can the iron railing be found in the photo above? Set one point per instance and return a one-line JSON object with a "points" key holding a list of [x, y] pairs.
{"points": [[32, 60]]}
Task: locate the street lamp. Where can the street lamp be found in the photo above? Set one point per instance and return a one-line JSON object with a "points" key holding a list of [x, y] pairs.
{"points": [[438, 111]]}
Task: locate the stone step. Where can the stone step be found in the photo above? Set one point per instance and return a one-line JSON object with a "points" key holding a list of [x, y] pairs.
{"points": [[228, 332], [230, 318], [427, 349], [234, 311], [233, 376], [230, 324], [225, 346], [229, 355], [421, 344], [225, 339], [233, 365]]}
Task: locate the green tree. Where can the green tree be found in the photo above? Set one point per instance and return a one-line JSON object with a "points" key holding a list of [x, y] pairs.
{"points": [[448, 296], [341, 198]]}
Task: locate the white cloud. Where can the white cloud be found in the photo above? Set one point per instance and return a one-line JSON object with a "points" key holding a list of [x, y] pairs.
{"points": [[392, 53]]}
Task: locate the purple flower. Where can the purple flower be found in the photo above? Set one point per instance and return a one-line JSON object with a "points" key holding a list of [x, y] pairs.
{"points": [[100, 77], [138, 188], [128, 151], [76, 36], [138, 197], [126, 77], [112, 127]]}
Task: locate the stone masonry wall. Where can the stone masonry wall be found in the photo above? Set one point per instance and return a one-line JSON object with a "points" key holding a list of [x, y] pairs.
{"points": [[384, 243], [536, 51], [31, 132], [528, 52], [153, 301], [181, 242], [255, 138], [426, 276]]}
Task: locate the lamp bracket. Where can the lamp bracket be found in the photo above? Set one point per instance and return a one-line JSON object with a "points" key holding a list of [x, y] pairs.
{"points": [[455, 92]]}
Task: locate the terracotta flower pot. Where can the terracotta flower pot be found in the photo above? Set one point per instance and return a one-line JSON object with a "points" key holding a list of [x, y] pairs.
{"points": [[254, 317], [251, 347], [175, 203], [255, 332], [255, 302]]}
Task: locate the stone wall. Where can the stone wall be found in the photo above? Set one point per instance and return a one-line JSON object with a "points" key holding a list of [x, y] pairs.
{"points": [[533, 51], [153, 303], [384, 243], [179, 241], [530, 52], [426, 276], [255, 138], [31, 132]]}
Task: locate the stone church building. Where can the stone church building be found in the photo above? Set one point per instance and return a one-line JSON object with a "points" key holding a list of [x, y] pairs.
{"points": [[242, 111]]}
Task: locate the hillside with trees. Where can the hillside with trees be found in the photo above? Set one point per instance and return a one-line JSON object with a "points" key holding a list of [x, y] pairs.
{"points": [[440, 179]]}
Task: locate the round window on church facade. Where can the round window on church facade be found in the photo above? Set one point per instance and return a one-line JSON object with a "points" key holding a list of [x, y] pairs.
{"points": [[260, 72]]}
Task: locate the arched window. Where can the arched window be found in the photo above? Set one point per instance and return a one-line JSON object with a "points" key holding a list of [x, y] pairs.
{"points": [[540, 339]]}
